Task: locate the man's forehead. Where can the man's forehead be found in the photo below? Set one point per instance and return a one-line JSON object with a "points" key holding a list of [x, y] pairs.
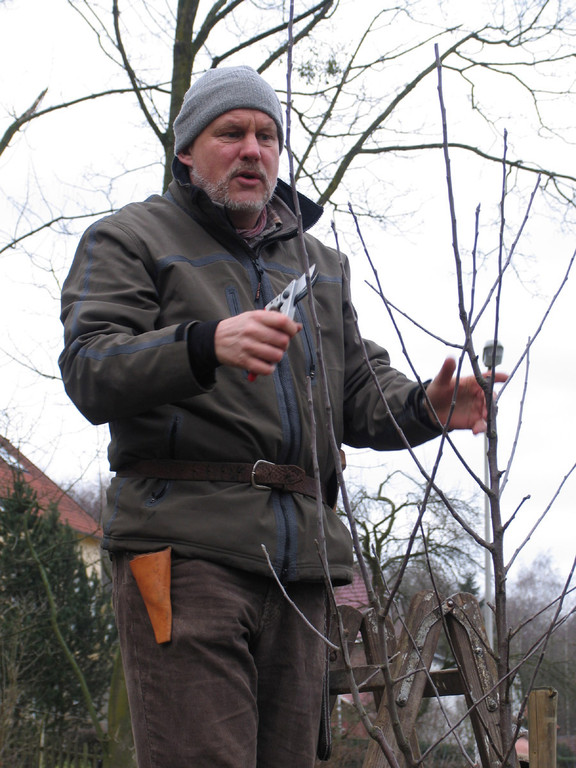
{"points": [[244, 116]]}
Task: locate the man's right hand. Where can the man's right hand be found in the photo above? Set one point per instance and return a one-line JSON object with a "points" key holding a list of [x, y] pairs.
{"points": [[254, 341]]}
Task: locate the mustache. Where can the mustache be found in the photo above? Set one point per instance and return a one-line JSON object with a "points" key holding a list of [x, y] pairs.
{"points": [[253, 169]]}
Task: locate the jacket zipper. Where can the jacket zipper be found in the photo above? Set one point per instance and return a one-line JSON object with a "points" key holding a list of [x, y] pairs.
{"points": [[259, 273]]}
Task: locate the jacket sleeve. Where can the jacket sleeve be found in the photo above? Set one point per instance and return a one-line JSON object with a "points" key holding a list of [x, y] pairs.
{"points": [[118, 358], [382, 407]]}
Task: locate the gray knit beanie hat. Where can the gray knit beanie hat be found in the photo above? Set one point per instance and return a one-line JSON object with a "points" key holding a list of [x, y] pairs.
{"points": [[219, 91]]}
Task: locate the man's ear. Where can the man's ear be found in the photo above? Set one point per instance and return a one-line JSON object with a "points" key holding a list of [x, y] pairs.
{"points": [[185, 157]]}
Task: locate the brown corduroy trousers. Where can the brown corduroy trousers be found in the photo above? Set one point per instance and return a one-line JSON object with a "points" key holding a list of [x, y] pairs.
{"points": [[240, 683]]}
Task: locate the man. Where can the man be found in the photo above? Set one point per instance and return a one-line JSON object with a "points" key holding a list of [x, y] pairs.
{"points": [[164, 319]]}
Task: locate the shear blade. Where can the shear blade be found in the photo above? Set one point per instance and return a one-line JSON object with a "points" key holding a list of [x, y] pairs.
{"points": [[301, 287]]}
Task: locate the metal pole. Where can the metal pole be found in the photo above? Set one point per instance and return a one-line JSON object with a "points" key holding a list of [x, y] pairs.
{"points": [[488, 571]]}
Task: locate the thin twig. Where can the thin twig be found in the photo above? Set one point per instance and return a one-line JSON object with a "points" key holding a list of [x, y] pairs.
{"points": [[319, 634]]}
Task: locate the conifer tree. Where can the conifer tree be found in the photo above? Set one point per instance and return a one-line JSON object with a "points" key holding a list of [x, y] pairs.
{"points": [[38, 684]]}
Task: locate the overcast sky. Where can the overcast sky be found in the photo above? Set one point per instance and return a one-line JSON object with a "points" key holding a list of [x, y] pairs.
{"points": [[43, 44]]}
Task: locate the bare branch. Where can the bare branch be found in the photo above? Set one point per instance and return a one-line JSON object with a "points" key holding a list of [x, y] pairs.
{"points": [[24, 118]]}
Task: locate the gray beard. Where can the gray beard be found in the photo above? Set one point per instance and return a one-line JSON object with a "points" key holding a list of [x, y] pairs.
{"points": [[218, 192]]}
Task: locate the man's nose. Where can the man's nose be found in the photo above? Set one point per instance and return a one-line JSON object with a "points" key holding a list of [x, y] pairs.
{"points": [[250, 148]]}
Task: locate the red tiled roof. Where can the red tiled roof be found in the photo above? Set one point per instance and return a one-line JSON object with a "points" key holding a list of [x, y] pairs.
{"points": [[354, 594], [11, 461]]}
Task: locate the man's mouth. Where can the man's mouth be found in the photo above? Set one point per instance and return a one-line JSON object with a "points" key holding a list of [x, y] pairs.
{"points": [[249, 174]]}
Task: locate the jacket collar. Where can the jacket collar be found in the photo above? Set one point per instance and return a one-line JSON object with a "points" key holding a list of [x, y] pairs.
{"points": [[311, 211]]}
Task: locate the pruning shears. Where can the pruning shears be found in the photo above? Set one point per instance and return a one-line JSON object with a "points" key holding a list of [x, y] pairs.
{"points": [[287, 299]]}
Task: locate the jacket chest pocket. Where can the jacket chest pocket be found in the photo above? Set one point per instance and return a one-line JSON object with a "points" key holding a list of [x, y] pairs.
{"points": [[233, 300]]}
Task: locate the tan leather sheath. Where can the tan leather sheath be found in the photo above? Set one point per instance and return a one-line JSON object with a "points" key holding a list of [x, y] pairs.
{"points": [[152, 574]]}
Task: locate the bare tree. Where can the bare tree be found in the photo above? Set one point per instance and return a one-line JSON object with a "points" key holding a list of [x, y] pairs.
{"points": [[361, 87], [352, 92], [385, 522], [391, 745], [533, 595], [359, 100]]}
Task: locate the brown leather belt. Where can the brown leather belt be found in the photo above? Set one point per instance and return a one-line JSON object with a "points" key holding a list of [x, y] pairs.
{"points": [[263, 474]]}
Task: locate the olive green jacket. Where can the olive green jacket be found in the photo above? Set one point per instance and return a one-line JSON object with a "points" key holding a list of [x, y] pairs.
{"points": [[139, 280]]}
